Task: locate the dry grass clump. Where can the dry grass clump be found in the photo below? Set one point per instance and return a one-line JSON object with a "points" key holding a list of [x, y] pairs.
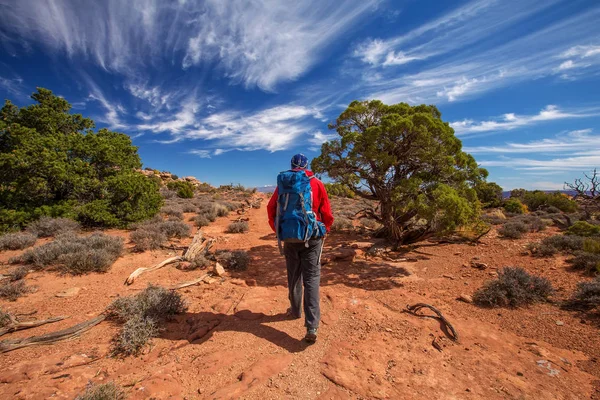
{"points": [[19, 273], [4, 318], [13, 290], [514, 287], [238, 227], [201, 221], [46, 226], [154, 233], [587, 295], [142, 316], [341, 224], [75, 254], [236, 260], [103, 391], [17, 241], [558, 243]]}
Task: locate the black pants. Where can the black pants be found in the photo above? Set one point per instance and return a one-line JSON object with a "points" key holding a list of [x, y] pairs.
{"points": [[304, 268]]}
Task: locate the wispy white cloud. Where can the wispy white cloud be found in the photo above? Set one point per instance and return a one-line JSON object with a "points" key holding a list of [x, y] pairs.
{"points": [[575, 163], [12, 85], [575, 141], [318, 138], [512, 121], [114, 111], [259, 43], [200, 153]]}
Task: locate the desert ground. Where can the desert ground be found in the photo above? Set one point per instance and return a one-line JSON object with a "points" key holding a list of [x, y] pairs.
{"points": [[235, 340]]}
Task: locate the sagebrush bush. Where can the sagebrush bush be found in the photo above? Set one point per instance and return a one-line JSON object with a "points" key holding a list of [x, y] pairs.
{"points": [[19, 273], [172, 211], [583, 228], [237, 260], [557, 243], [341, 224], [103, 391], [178, 229], [513, 230], [589, 262], [238, 227], [370, 223], [75, 254], [587, 294], [189, 208], [4, 318], [514, 287], [17, 241], [200, 261], [13, 290], [46, 226], [514, 206], [147, 239], [167, 193], [201, 221], [142, 316]]}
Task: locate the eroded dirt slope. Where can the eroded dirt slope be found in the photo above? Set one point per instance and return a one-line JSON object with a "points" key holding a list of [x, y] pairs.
{"points": [[235, 342]]}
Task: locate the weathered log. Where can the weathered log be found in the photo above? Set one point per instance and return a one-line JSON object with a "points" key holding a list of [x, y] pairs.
{"points": [[18, 326], [189, 283], [52, 337], [198, 246]]}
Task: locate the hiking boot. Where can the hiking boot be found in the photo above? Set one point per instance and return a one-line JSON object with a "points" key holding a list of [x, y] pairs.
{"points": [[311, 335], [290, 315]]}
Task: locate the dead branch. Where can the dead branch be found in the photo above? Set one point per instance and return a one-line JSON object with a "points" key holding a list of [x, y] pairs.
{"points": [[440, 317], [199, 245], [52, 337], [189, 283], [18, 326]]}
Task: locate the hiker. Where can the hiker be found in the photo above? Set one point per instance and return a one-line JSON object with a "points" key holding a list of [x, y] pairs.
{"points": [[300, 215]]}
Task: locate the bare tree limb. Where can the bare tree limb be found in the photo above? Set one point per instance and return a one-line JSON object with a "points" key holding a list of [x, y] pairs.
{"points": [[440, 317], [18, 326]]}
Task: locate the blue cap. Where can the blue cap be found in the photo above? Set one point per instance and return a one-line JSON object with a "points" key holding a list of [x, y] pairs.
{"points": [[299, 161]]}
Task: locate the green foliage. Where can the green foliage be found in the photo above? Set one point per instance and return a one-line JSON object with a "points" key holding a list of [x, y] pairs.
{"points": [[514, 287], [537, 200], [55, 164], [340, 190], [103, 391], [184, 189], [142, 316], [410, 161], [489, 194], [514, 205], [583, 228]]}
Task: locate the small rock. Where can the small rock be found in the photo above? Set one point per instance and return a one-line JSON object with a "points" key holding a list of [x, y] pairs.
{"points": [[251, 282], [466, 298], [519, 374], [478, 265], [209, 280], [219, 270], [448, 276], [560, 323], [70, 292]]}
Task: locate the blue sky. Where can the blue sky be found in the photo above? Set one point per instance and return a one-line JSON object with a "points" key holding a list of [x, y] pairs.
{"points": [[228, 91]]}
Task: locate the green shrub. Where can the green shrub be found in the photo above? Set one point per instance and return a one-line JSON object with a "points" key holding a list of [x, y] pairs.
{"points": [[514, 206], [489, 194], [237, 260], [514, 287], [339, 190], [103, 391], [142, 316], [17, 241], [513, 230], [47, 226], [537, 199], [238, 227], [13, 290], [583, 228], [75, 254], [184, 189]]}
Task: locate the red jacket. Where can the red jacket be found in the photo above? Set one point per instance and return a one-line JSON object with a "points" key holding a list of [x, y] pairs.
{"points": [[321, 205]]}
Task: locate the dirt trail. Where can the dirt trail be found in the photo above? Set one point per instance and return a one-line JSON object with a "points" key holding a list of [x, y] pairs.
{"points": [[235, 341]]}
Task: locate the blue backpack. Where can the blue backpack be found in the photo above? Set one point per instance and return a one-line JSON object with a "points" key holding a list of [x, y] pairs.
{"points": [[296, 221]]}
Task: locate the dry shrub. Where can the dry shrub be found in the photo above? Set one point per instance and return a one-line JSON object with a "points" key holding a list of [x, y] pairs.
{"points": [[5, 318], [238, 227], [513, 230], [167, 193], [587, 295], [176, 229], [19, 273], [172, 211], [514, 287], [13, 290], [103, 391], [201, 221], [189, 208], [46, 226], [142, 316], [200, 261], [236, 260], [341, 224], [589, 262], [370, 223], [17, 241], [153, 234], [555, 244], [221, 210], [75, 254]]}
